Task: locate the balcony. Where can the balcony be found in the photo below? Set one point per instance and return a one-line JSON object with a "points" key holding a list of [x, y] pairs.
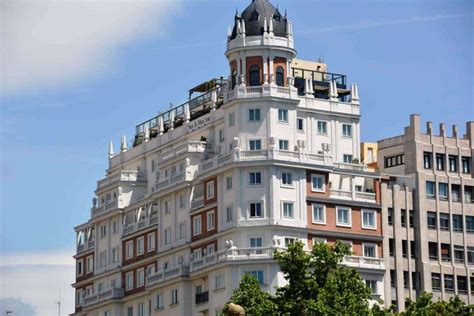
{"points": [[122, 176], [186, 147], [352, 195], [171, 181], [350, 166], [197, 203], [364, 262], [112, 293], [242, 92], [168, 274], [134, 227], [202, 298], [88, 245], [104, 208]]}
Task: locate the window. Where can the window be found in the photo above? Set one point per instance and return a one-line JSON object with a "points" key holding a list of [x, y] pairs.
{"points": [[300, 124], [444, 221], [427, 158], [393, 161], [210, 220], [255, 144], [182, 231], [390, 215], [115, 255], [280, 76], [414, 280], [457, 223], [283, 115], [404, 248], [406, 279], [228, 214], [343, 216], [319, 240], [448, 283], [140, 246], [439, 161], [159, 301], [433, 250], [218, 282], [347, 158], [283, 144], [317, 183], [430, 190], [455, 192], [436, 282], [369, 219], [103, 231], [129, 249], [221, 135], [115, 226], [256, 209], [411, 218], [372, 285], [151, 242], [445, 252], [255, 178], [322, 127], [254, 115], [197, 225], [140, 277], [431, 219], [468, 194], [462, 284], [391, 247], [287, 210], [346, 130], [370, 250], [167, 207], [393, 278], [453, 163], [470, 255], [466, 166], [443, 191], [228, 183], [256, 243], [458, 254], [412, 249], [167, 235], [254, 76], [129, 280], [102, 257], [79, 267], [231, 119], [286, 179], [209, 190], [403, 217], [130, 311], [469, 224], [174, 296], [258, 274], [319, 214]]}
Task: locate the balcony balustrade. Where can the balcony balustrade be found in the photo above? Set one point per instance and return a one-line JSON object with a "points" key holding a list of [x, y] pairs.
{"points": [[352, 195], [197, 203], [112, 293], [122, 176], [202, 298], [167, 274], [87, 245], [242, 92], [134, 227]]}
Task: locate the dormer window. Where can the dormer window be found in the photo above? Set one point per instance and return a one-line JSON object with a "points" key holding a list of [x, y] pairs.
{"points": [[254, 16], [277, 16]]}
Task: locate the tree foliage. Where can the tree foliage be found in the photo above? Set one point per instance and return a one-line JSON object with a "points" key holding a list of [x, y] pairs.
{"points": [[424, 305]]}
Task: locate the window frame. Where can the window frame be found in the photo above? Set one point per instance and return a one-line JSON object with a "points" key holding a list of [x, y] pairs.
{"points": [[349, 129], [291, 209], [349, 209], [368, 211], [254, 115], [211, 214], [283, 116], [366, 245], [197, 219], [323, 208], [320, 176], [261, 209], [324, 127]]}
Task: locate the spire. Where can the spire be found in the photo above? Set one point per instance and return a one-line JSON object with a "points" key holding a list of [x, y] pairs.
{"points": [[123, 145], [111, 149]]}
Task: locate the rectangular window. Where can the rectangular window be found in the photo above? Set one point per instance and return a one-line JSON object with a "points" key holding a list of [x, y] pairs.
{"points": [[255, 178], [300, 124], [343, 216], [346, 130], [129, 249], [174, 296], [391, 247], [159, 301], [129, 280], [390, 215], [102, 258], [411, 218], [393, 161], [79, 267], [457, 223], [466, 166], [254, 115], [406, 280], [393, 278], [228, 214], [256, 242], [151, 242], [414, 280], [283, 144], [317, 183], [443, 191], [182, 231], [115, 226], [347, 158], [140, 277], [288, 210], [404, 248], [228, 183], [218, 282], [322, 127], [470, 255], [210, 220], [455, 192], [453, 163], [167, 235], [209, 190], [445, 252], [287, 178], [283, 115], [458, 254], [449, 283], [462, 284], [433, 250], [370, 250], [258, 274], [439, 161], [444, 221], [468, 194], [103, 231], [412, 249], [221, 135], [231, 119], [372, 285], [255, 144], [256, 209], [197, 225], [319, 214], [469, 224], [431, 220], [403, 217], [427, 159], [115, 255], [430, 190], [436, 282], [130, 311], [140, 246], [369, 219]]}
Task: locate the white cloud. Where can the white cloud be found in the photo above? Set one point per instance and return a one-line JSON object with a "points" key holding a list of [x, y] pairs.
{"points": [[46, 44], [38, 278]]}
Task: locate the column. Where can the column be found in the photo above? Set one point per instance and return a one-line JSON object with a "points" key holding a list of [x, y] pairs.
{"points": [[244, 68], [265, 69], [272, 72]]}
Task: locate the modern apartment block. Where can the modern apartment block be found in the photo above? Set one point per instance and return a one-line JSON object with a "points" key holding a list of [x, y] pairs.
{"points": [[210, 188], [428, 207]]}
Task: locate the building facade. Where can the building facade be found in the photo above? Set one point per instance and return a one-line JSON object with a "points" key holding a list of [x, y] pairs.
{"points": [[212, 187], [428, 207]]}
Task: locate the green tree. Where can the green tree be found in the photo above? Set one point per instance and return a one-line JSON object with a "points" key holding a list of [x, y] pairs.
{"points": [[318, 283], [250, 296], [424, 305]]}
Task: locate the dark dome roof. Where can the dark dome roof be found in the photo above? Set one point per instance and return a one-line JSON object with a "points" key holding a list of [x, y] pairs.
{"points": [[254, 16]]}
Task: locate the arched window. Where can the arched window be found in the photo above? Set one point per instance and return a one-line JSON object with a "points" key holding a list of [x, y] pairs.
{"points": [[234, 78], [254, 75], [280, 81]]}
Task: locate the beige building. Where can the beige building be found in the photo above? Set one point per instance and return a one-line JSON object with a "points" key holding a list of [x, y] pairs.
{"points": [[368, 155], [428, 202]]}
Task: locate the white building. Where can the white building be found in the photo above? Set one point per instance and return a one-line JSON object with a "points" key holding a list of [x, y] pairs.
{"points": [[213, 186]]}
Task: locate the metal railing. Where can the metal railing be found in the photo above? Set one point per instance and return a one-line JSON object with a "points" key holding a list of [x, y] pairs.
{"points": [[202, 298]]}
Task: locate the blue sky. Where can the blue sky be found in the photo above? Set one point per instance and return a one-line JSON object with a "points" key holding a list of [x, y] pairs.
{"points": [[62, 102]]}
